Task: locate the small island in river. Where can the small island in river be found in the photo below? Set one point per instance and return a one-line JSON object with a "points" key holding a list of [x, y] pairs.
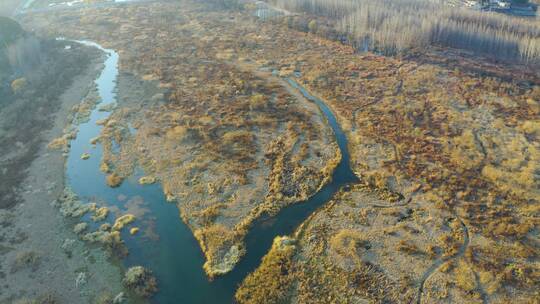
{"points": [[298, 151]]}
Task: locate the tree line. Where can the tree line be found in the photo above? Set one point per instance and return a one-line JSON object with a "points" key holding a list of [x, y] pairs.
{"points": [[391, 26]]}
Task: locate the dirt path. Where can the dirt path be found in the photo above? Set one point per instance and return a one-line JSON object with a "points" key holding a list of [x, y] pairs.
{"points": [[439, 262]]}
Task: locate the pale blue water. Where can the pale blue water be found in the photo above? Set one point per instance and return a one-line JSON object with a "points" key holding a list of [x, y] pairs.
{"points": [[175, 257]]}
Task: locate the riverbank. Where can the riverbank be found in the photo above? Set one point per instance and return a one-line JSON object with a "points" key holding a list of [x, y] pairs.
{"points": [[38, 247], [227, 146], [440, 149], [9, 7]]}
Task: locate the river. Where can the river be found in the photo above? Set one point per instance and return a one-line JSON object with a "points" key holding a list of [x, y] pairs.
{"points": [[174, 256]]}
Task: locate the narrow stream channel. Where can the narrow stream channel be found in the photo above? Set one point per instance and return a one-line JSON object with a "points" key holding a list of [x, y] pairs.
{"points": [[165, 244]]}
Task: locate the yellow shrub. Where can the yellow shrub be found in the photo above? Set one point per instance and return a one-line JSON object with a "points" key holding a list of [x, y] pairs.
{"points": [[58, 143], [122, 221], [271, 282], [237, 136], [113, 180], [347, 242], [18, 84], [104, 167], [312, 26], [147, 180], [466, 152], [531, 127], [258, 101], [177, 133], [100, 214]]}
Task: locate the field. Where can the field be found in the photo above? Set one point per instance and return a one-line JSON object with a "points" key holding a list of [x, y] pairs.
{"points": [[445, 143], [8, 7], [457, 138], [228, 142]]}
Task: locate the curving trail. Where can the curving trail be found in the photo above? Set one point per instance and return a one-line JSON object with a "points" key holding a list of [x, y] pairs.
{"points": [[179, 263], [435, 266]]}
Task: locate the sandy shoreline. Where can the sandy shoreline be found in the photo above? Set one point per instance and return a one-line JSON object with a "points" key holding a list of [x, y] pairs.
{"points": [[40, 254]]}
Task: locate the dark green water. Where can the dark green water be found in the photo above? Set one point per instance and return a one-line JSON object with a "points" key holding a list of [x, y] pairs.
{"points": [[175, 257]]}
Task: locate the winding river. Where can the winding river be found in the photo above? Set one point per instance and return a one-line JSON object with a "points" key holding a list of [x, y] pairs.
{"points": [[165, 244]]}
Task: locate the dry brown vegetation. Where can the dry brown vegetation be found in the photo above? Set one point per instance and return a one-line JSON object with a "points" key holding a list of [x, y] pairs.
{"points": [[231, 143], [446, 145], [338, 259], [114, 180], [394, 27], [465, 148], [272, 282]]}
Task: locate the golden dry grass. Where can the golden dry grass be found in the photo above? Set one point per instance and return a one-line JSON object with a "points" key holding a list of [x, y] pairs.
{"points": [[469, 150]]}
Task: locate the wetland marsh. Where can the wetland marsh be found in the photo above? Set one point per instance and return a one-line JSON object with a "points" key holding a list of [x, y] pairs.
{"points": [[172, 252], [252, 152]]}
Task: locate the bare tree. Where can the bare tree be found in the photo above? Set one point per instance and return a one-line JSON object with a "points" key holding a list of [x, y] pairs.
{"points": [[393, 26]]}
